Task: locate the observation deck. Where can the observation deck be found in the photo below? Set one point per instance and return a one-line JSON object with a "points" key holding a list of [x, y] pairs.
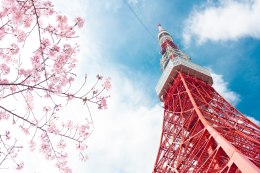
{"points": [[176, 65]]}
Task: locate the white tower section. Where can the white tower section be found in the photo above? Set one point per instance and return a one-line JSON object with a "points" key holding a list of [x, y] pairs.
{"points": [[174, 61]]}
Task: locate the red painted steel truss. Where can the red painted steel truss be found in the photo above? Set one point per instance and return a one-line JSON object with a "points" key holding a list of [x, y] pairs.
{"points": [[202, 132]]}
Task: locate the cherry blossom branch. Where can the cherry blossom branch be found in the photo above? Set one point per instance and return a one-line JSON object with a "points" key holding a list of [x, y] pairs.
{"points": [[43, 76]]}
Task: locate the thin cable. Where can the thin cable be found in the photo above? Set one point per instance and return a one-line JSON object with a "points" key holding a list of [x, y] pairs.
{"points": [[139, 20]]}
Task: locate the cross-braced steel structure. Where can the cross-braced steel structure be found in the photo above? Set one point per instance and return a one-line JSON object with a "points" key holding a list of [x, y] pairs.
{"points": [[201, 131]]}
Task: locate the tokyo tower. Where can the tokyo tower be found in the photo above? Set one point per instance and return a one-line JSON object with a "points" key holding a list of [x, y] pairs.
{"points": [[201, 131]]}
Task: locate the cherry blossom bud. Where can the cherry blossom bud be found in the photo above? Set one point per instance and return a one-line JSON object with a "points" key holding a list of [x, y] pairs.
{"points": [[99, 77]]}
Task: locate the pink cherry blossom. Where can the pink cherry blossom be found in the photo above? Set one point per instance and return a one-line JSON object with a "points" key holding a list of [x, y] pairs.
{"points": [[107, 84], [14, 49], [64, 158], [81, 147], [47, 108], [27, 21], [54, 50], [71, 79], [32, 145], [20, 166], [4, 81], [70, 96], [53, 128], [103, 103], [29, 101], [45, 43], [6, 57], [79, 21], [5, 69], [4, 115], [61, 144], [49, 10], [36, 60], [13, 88], [83, 158], [45, 148], [25, 130], [84, 130], [70, 125], [17, 16], [20, 35], [62, 19]]}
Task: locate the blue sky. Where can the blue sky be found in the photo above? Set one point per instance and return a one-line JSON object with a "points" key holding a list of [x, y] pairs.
{"points": [[127, 42], [222, 35]]}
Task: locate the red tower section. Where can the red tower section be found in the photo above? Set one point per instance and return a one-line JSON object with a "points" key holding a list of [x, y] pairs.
{"points": [[201, 131]]}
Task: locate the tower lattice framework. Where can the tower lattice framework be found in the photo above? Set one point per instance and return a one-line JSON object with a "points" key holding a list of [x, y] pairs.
{"points": [[201, 131]]}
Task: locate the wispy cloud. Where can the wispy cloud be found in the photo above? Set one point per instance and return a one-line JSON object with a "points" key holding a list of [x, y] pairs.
{"points": [[221, 86], [224, 20]]}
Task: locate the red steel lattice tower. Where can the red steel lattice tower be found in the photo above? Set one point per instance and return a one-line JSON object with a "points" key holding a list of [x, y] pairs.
{"points": [[201, 131]]}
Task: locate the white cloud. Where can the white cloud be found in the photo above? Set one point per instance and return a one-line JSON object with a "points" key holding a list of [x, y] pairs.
{"points": [[221, 87], [232, 97], [254, 120], [126, 135], [225, 20], [125, 140]]}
